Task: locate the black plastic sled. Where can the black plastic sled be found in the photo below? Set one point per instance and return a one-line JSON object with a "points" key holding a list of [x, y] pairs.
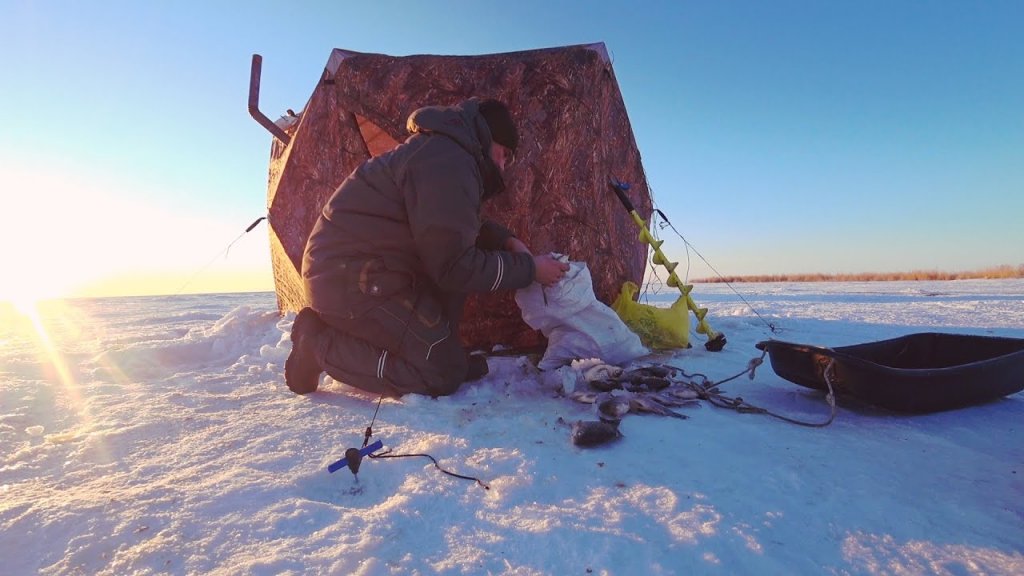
{"points": [[926, 372]]}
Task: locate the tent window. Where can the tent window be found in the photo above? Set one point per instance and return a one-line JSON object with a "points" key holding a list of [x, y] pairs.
{"points": [[377, 141]]}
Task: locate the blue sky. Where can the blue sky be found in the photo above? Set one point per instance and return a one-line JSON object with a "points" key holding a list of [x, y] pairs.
{"points": [[780, 137]]}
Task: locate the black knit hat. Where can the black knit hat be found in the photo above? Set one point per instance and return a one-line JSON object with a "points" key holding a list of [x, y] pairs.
{"points": [[499, 120]]}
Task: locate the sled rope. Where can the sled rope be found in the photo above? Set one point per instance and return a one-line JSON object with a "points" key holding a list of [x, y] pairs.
{"points": [[708, 390]]}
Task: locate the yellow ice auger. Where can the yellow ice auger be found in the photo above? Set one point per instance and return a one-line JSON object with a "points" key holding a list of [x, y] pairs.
{"points": [[716, 340]]}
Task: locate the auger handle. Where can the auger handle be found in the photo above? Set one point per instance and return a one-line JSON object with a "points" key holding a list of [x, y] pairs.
{"points": [[620, 191]]}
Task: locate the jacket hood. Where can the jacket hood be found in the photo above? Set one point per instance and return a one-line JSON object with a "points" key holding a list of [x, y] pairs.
{"points": [[462, 123]]}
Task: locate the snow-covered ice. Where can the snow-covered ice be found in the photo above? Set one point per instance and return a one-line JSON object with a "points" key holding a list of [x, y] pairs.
{"points": [[155, 435]]}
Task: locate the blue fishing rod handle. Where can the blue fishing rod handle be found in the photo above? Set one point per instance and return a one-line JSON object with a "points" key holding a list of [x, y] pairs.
{"points": [[362, 452]]}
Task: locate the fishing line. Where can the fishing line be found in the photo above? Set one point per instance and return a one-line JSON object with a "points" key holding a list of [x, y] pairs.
{"points": [[689, 247], [223, 253]]}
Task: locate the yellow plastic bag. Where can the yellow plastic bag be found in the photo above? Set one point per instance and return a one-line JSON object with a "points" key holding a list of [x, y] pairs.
{"points": [[658, 328]]}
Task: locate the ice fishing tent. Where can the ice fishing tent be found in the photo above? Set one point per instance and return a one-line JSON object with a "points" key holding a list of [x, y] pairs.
{"points": [[574, 136]]}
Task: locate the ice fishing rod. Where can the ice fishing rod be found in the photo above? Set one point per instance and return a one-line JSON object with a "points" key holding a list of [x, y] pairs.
{"points": [[223, 253], [716, 340], [354, 456]]}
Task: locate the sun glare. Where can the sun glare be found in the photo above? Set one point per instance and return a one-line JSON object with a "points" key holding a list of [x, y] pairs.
{"points": [[49, 328], [25, 306], [31, 323], [114, 234], [25, 298]]}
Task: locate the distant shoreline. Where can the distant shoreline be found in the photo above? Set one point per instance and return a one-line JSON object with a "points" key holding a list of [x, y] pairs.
{"points": [[1003, 272]]}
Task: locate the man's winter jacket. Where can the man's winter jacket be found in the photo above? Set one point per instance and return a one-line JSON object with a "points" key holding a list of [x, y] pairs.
{"points": [[408, 222]]}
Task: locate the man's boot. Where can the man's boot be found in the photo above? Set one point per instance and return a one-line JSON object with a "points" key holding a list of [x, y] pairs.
{"points": [[302, 369], [477, 367]]}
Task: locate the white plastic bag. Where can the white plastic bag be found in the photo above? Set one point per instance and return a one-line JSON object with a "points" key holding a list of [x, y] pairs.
{"points": [[576, 323]]}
